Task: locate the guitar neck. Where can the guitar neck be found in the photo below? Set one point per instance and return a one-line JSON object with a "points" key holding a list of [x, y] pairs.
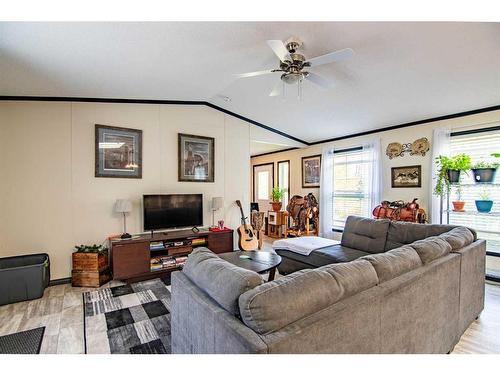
{"points": [[243, 221]]}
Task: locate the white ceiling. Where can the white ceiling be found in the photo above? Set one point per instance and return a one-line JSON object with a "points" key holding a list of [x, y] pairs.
{"points": [[401, 72]]}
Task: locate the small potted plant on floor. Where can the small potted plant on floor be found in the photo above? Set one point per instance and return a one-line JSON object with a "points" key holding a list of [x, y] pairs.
{"points": [[449, 170], [484, 172], [276, 195], [458, 205], [484, 204]]}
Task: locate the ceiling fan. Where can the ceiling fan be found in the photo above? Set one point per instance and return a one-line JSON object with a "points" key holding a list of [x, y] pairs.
{"points": [[293, 64]]}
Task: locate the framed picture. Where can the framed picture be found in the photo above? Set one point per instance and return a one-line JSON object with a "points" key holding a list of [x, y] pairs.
{"points": [[406, 177], [118, 152], [311, 171], [196, 158]]}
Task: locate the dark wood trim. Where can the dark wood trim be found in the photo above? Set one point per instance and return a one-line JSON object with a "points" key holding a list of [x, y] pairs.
{"points": [[351, 149], [253, 176], [96, 152], [302, 168], [492, 254], [274, 152], [493, 278], [278, 173], [99, 100], [475, 131], [148, 101], [66, 280], [208, 104], [413, 123], [276, 131], [211, 176]]}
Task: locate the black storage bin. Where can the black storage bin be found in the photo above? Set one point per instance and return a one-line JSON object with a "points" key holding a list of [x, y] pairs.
{"points": [[23, 277]]}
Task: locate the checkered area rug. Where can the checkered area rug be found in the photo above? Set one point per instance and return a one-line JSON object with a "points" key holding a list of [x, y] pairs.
{"points": [[128, 319]]}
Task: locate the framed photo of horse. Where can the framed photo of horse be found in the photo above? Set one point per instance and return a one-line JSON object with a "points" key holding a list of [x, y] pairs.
{"points": [[196, 158], [406, 177], [311, 171]]}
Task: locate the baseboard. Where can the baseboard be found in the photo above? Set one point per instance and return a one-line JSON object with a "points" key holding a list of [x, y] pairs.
{"points": [[66, 280]]}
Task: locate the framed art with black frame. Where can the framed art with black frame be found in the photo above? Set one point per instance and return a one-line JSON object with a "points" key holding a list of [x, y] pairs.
{"points": [[196, 158], [311, 171], [118, 152], [406, 177]]}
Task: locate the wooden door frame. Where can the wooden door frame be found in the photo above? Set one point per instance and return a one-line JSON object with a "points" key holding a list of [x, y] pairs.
{"points": [[253, 176]]}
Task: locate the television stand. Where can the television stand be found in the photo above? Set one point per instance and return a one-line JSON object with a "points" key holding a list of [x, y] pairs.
{"points": [[140, 258]]}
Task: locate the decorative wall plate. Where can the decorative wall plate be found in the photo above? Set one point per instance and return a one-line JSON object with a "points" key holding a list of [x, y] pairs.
{"points": [[418, 147], [394, 149]]}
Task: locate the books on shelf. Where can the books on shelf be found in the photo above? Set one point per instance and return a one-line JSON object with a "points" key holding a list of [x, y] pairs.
{"points": [[198, 241], [157, 245], [165, 262]]}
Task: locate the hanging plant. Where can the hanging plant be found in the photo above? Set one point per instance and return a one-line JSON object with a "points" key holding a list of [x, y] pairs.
{"points": [[449, 169]]}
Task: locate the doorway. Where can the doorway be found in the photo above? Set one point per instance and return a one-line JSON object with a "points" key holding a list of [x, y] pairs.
{"points": [[263, 182]]}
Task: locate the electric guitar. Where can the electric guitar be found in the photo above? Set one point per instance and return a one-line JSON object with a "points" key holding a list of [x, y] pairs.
{"points": [[248, 239]]}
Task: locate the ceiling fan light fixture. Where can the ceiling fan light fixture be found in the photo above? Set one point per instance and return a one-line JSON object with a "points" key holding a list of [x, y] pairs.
{"points": [[292, 78]]}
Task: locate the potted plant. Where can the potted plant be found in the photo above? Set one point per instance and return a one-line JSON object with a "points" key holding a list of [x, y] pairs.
{"points": [[449, 170], [90, 258], [484, 172], [484, 204], [276, 196], [458, 205]]}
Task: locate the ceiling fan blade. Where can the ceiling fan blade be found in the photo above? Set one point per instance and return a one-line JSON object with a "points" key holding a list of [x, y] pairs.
{"points": [[331, 57], [279, 49], [277, 90], [254, 74], [320, 81]]}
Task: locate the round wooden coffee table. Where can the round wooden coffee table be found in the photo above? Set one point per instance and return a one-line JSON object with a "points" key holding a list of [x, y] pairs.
{"points": [[258, 261]]}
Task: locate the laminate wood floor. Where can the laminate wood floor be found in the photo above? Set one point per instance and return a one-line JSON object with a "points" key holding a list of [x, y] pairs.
{"points": [[60, 310]]}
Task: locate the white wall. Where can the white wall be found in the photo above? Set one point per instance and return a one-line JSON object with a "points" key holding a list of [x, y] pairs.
{"points": [[50, 199], [403, 135]]}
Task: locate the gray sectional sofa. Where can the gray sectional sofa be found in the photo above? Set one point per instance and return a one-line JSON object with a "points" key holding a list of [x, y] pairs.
{"points": [[414, 289]]}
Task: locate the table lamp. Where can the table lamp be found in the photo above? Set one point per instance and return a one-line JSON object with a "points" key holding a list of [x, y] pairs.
{"points": [[123, 206], [217, 204]]}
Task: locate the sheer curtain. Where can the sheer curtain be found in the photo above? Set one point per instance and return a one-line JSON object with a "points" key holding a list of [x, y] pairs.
{"points": [[326, 194], [440, 146], [373, 185]]}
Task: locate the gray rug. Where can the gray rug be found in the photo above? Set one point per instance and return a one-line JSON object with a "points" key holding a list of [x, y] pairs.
{"points": [[26, 342], [128, 319]]}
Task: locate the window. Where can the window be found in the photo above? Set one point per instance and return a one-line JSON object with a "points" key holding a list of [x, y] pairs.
{"points": [[263, 185], [479, 145], [350, 197], [284, 180]]}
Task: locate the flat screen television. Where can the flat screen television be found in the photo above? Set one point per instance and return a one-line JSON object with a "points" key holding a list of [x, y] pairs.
{"points": [[164, 211]]}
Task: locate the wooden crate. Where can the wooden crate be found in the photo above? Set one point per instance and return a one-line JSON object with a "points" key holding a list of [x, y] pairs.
{"points": [[89, 261], [92, 279]]}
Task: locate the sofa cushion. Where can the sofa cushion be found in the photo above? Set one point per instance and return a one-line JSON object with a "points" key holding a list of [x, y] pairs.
{"points": [[324, 256], [458, 237], [274, 305], [365, 234], [403, 233], [431, 248], [394, 263], [221, 280]]}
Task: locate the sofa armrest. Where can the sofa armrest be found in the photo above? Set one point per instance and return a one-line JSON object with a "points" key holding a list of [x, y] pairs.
{"points": [[200, 325]]}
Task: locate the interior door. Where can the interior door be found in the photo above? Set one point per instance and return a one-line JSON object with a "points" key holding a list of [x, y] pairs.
{"points": [[263, 182]]}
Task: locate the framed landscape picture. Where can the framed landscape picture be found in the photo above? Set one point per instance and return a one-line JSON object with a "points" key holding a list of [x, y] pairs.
{"points": [[311, 171], [118, 152], [196, 158], [406, 177]]}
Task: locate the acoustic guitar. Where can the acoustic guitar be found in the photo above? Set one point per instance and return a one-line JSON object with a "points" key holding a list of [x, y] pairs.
{"points": [[248, 239]]}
